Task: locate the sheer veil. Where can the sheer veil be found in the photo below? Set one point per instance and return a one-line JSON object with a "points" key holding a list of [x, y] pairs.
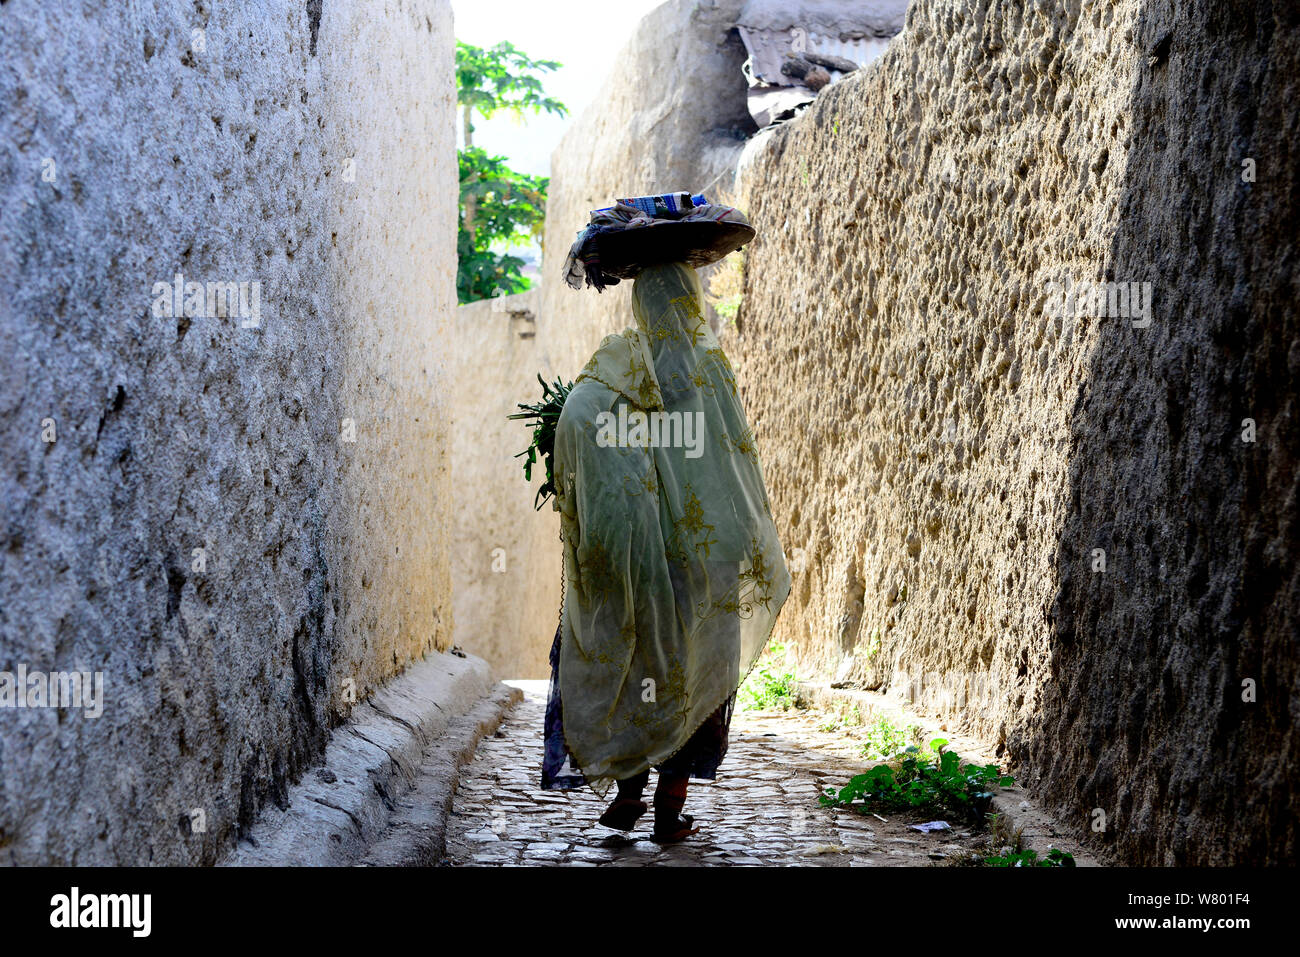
{"points": [[674, 572]]}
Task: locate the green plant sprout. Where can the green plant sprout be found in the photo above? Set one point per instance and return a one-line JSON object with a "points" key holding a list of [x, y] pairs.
{"points": [[910, 782]]}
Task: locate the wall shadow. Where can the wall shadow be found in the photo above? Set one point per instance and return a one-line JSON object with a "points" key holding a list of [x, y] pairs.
{"points": [[1143, 716]]}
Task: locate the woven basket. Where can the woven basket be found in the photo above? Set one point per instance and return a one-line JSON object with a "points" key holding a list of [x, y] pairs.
{"points": [[624, 254]]}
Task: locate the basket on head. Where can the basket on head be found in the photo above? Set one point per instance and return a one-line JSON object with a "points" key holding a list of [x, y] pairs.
{"points": [[621, 240]]}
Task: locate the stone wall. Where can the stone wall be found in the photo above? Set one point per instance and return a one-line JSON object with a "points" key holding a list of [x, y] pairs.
{"points": [[242, 522], [506, 560], [1049, 531]]}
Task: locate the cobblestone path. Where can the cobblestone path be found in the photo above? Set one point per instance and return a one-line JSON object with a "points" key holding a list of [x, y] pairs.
{"points": [[762, 809]]}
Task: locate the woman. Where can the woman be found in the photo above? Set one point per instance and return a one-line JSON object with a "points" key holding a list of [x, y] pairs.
{"points": [[674, 572]]}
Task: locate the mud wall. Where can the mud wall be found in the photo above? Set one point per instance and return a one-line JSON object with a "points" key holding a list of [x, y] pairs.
{"points": [[506, 561], [239, 520], [1058, 531]]}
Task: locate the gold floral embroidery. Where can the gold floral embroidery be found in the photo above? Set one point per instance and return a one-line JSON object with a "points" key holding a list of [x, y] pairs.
{"points": [[675, 689], [744, 444], [644, 384], [596, 577], [602, 657], [702, 381], [753, 588], [647, 484], [639, 719], [723, 365], [691, 307], [691, 529], [756, 583], [665, 329]]}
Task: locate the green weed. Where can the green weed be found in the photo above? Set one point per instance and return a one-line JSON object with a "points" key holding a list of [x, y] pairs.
{"points": [[771, 685], [913, 781], [1029, 858], [850, 718], [884, 739]]}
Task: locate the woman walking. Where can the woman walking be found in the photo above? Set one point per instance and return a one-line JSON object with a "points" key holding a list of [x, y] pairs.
{"points": [[674, 573]]}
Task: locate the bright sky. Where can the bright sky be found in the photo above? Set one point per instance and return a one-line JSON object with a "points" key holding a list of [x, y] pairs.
{"points": [[584, 35]]}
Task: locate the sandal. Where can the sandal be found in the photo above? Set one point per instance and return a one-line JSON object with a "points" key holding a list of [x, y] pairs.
{"points": [[672, 832], [623, 814]]}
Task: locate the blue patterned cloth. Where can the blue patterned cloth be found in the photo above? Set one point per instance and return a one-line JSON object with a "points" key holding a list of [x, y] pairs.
{"points": [[665, 204], [583, 266]]}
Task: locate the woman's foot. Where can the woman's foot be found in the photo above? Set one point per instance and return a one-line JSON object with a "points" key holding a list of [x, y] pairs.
{"points": [[671, 830], [623, 814], [671, 825]]}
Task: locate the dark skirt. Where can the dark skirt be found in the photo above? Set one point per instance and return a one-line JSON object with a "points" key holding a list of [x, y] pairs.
{"points": [[698, 758]]}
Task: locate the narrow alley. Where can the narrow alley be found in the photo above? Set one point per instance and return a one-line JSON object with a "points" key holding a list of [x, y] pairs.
{"points": [[926, 367]]}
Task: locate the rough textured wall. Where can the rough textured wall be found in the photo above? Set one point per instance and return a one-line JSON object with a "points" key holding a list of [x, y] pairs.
{"points": [[949, 456], [671, 116], [1147, 667], [308, 148], [506, 560]]}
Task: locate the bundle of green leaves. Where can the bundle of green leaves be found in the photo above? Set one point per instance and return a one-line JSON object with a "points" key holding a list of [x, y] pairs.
{"points": [[543, 417]]}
